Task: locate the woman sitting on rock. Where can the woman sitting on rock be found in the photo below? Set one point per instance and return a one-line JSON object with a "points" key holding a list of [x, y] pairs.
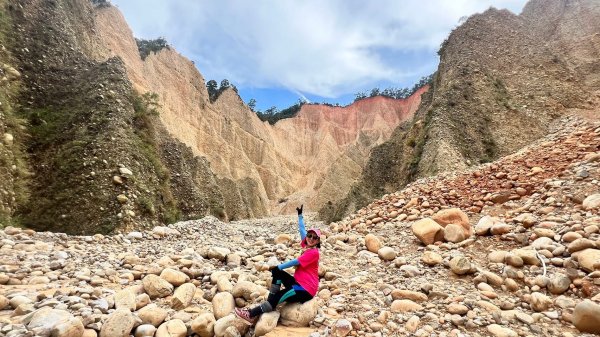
{"points": [[302, 286]]}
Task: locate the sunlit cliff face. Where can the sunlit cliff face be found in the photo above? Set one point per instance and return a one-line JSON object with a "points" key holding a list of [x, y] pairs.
{"points": [[312, 158]]}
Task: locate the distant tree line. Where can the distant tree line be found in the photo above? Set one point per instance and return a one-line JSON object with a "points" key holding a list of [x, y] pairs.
{"points": [[396, 93], [101, 3], [214, 90], [145, 47], [272, 114]]}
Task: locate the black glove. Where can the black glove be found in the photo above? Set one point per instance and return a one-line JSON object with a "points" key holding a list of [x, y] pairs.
{"points": [[299, 209]]}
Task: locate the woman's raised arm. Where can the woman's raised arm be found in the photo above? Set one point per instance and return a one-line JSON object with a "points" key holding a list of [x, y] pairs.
{"points": [[301, 227]]}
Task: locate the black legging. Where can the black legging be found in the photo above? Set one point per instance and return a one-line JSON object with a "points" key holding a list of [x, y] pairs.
{"points": [[288, 294]]}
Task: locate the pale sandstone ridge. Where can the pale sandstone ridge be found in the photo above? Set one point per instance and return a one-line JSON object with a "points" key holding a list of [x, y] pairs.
{"points": [[312, 158]]}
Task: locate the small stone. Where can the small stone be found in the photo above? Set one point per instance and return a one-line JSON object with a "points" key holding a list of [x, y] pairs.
{"points": [[591, 202], [539, 302], [341, 328], [559, 284], [373, 244], [499, 331], [125, 171], [457, 309], [405, 306], [386, 253], [431, 258], [460, 265]]}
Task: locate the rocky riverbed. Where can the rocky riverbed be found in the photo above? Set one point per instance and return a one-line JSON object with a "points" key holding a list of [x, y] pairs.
{"points": [[510, 248]]}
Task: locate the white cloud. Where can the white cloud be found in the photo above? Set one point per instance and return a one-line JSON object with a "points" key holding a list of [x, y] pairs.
{"points": [[318, 47]]}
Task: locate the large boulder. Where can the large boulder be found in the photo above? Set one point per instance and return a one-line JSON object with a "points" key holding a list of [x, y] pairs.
{"points": [[175, 277], [455, 216], [142, 300], [266, 323], [204, 325], [588, 258], [3, 302], [125, 299], [145, 330], [156, 286], [580, 244], [230, 320], [172, 328], [119, 324], [246, 289], [223, 284], [454, 233], [427, 231], [183, 296], [485, 224], [54, 322], [591, 202], [299, 314], [152, 314], [223, 304]]}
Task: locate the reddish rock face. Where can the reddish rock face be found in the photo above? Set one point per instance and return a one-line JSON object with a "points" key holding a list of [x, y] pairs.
{"points": [[332, 144], [375, 115]]}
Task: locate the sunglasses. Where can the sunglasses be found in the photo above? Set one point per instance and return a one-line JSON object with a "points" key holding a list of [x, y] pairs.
{"points": [[312, 236]]}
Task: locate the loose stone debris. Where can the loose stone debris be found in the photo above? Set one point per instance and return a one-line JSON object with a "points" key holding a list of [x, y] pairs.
{"points": [[510, 248]]}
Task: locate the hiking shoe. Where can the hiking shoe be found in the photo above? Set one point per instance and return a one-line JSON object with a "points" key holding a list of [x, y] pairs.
{"points": [[245, 315]]}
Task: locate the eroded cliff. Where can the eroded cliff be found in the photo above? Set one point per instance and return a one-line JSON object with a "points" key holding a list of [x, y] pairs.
{"points": [[309, 159], [502, 80]]}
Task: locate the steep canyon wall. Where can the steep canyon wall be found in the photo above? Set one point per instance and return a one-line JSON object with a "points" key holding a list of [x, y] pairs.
{"points": [[309, 159], [95, 139]]}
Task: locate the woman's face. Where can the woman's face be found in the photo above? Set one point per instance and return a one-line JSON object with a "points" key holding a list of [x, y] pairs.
{"points": [[312, 239]]}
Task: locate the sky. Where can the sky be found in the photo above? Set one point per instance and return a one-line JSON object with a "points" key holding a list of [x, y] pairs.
{"points": [[281, 51]]}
